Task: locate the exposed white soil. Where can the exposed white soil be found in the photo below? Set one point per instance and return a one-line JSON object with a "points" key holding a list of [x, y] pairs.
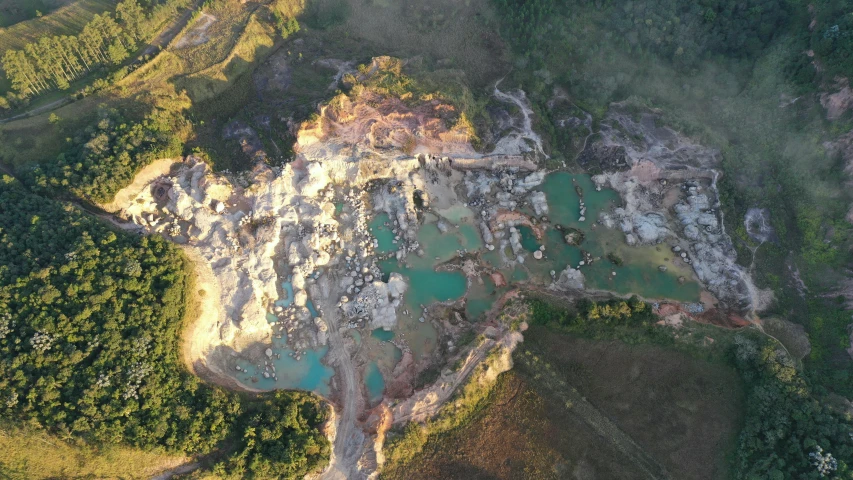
{"points": [[140, 182], [307, 223], [248, 233], [198, 34]]}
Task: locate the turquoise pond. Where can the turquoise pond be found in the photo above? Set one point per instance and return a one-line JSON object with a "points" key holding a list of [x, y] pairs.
{"points": [[637, 274], [287, 298], [310, 306], [308, 373], [380, 229], [427, 285], [382, 335], [374, 382]]}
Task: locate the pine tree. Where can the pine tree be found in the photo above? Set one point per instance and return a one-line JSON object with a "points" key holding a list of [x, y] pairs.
{"points": [[93, 40], [131, 17], [21, 73]]}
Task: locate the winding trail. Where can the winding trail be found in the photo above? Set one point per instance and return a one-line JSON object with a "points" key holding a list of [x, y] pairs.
{"points": [[520, 100]]}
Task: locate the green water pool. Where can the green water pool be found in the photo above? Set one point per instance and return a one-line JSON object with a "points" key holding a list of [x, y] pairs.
{"points": [[374, 382], [383, 233], [638, 274], [382, 335], [308, 373]]}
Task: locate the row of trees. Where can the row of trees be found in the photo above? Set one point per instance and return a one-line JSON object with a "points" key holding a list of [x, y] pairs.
{"points": [[90, 328], [633, 312], [54, 62]]}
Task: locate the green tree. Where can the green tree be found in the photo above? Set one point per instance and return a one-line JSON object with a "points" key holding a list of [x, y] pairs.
{"points": [[131, 17]]}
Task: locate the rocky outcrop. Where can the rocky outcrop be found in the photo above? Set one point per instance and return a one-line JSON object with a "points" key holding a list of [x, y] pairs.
{"points": [[838, 102], [378, 301], [539, 203], [569, 279], [670, 195]]}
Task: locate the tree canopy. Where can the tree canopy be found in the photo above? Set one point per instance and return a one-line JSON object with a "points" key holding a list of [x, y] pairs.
{"points": [[105, 157], [683, 32], [91, 322], [90, 325]]}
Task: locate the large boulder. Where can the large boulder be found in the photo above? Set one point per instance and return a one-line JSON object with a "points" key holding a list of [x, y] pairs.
{"points": [[650, 227], [569, 279], [539, 203]]}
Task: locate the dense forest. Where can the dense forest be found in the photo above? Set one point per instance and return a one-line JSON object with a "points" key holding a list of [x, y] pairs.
{"points": [[279, 440], [104, 157], [789, 433], [92, 347], [831, 38], [685, 32], [90, 325]]}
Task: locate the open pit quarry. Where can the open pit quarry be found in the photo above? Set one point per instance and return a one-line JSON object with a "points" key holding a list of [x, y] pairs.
{"points": [[293, 276]]}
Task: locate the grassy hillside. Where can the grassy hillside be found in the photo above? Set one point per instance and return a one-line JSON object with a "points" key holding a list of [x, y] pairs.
{"points": [[240, 39], [35, 454], [15, 11], [66, 20], [682, 412]]}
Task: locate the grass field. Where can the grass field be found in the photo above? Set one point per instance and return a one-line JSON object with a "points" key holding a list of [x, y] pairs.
{"points": [[15, 11], [544, 418], [66, 20], [33, 454]]}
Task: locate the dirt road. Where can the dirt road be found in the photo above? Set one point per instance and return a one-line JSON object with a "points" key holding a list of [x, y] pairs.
{"points": [[349, 439], [526, 129]]}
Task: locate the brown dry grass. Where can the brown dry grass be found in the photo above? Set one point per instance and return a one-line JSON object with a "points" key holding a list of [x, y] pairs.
{"points": [[682, 411], [520, 434]]}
